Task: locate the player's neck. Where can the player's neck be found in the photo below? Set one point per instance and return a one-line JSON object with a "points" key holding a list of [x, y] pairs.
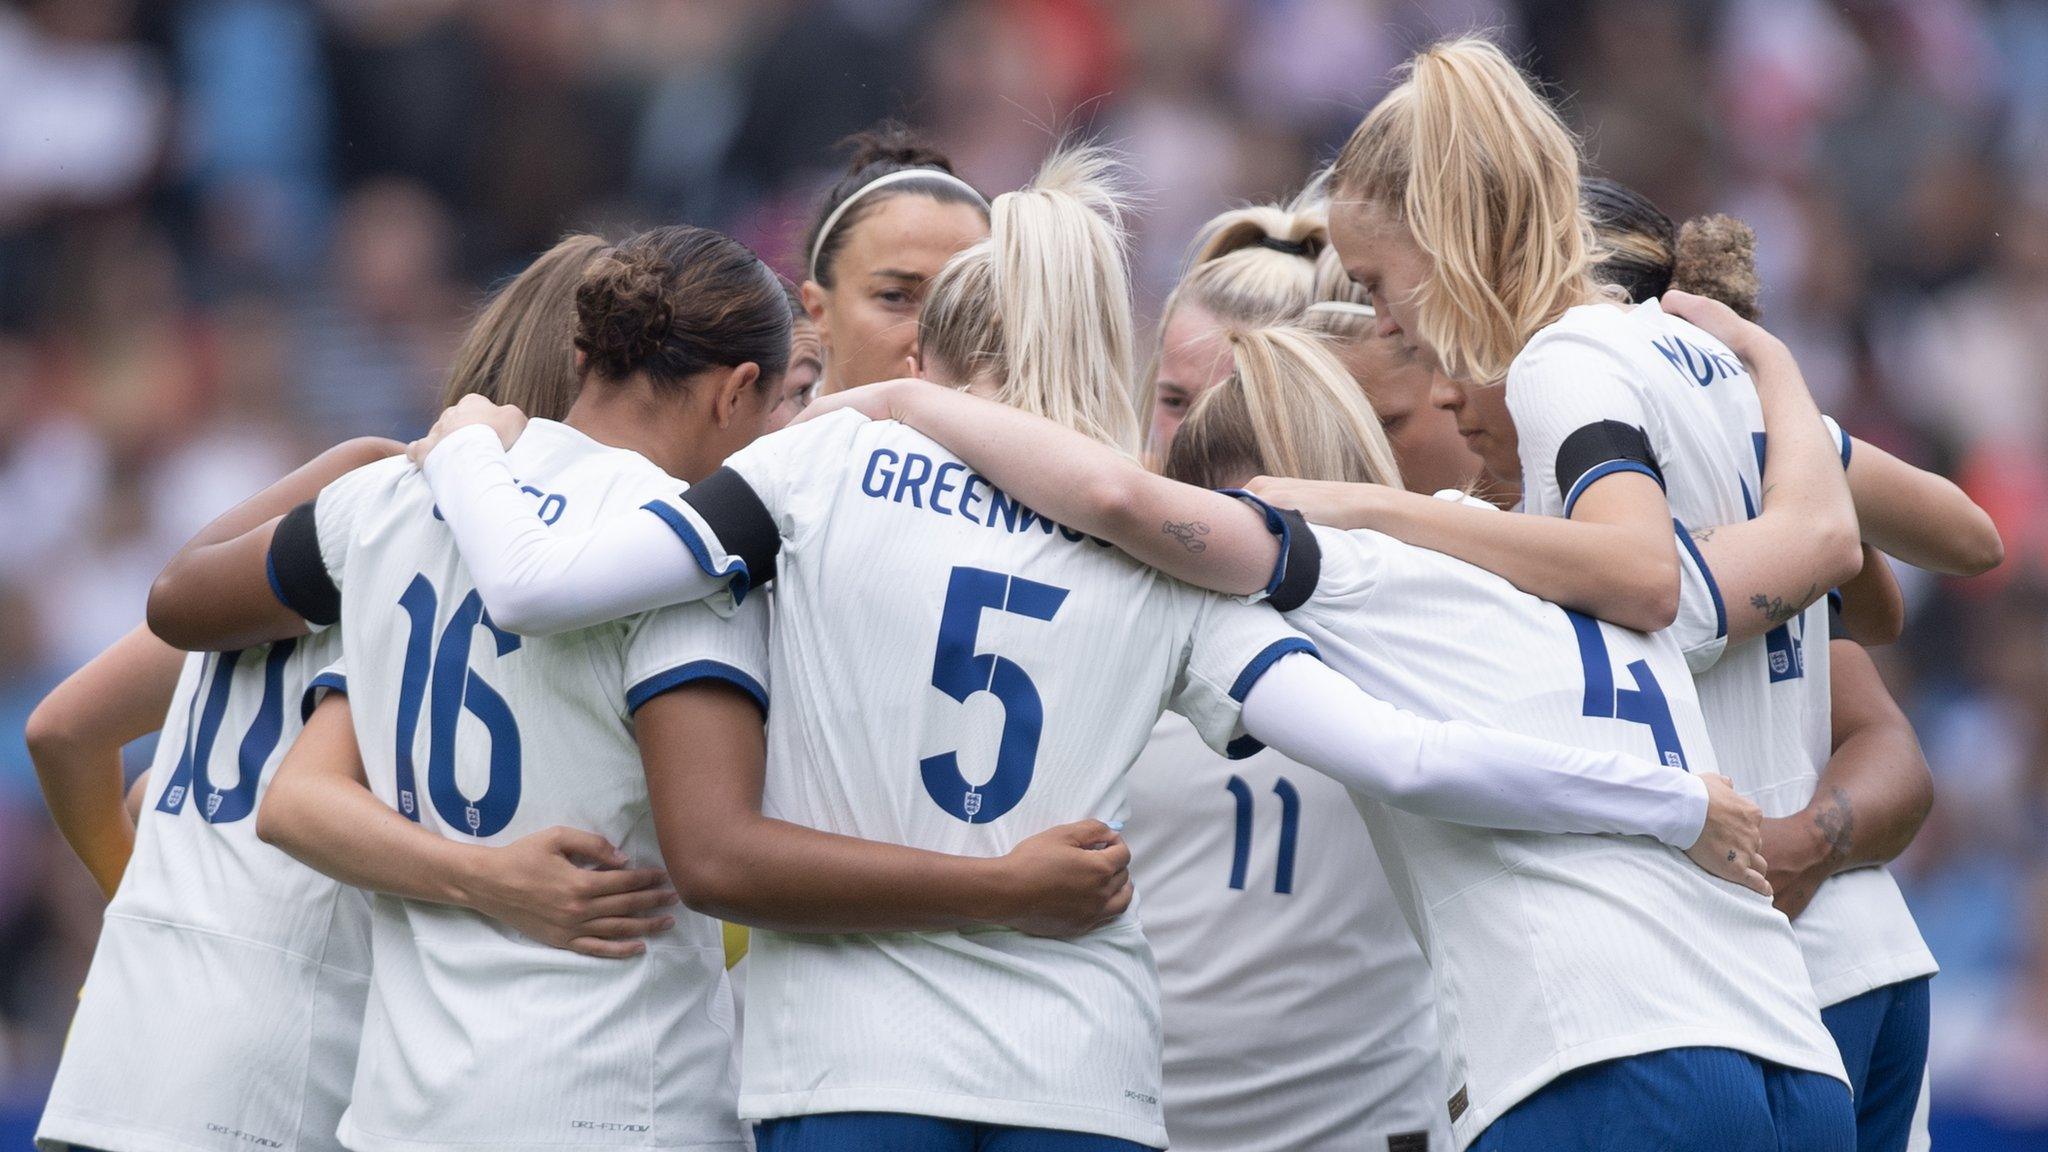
{"points": [[666, 434]]}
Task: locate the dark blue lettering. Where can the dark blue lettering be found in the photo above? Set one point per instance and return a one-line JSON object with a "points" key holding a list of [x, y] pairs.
{"points": [[1005, 507], [917, 468], [868, 478], [941, 486], [967, 494]]}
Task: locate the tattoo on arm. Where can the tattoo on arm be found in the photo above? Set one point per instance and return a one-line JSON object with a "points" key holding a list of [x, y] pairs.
{"points": [[1777, 609], [1701, 534], [1837, 823], [1189, 533]]}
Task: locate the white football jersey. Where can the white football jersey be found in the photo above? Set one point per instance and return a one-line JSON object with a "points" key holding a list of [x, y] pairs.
{"points": [[1298, 1007], [956, 673], [1551, 952], [226, 993], [476, 1035], [1767, 699]]}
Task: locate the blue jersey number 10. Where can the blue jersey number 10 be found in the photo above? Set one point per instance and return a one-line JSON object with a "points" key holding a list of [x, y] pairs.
{"points": [[439, 675], [227, 805], [960, 672]]}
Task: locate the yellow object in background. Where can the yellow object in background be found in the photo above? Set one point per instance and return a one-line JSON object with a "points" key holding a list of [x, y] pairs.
{"points": [[735, 943]]}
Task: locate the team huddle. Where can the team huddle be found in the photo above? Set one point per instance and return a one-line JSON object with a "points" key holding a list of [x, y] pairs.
{"points": [[1424, 707]]}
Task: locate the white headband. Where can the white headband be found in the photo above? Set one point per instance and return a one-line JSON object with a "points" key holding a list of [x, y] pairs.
{"points": [[896, 177], [1343, 308]]}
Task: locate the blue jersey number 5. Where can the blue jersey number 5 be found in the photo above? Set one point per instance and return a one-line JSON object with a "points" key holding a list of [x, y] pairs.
{"points": [[1644, 704], [959, 671]]}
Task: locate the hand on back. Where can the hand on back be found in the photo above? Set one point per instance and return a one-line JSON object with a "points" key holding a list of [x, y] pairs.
{"points": [[504, 419]]}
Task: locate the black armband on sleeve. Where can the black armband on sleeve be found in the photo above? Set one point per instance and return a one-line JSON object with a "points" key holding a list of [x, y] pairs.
{"points": [[1599, 449], [1301, 567], [743, 525], [298, 572]]}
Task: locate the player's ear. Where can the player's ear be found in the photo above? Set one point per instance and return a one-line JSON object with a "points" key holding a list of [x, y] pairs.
{"points": [[735, 388], [814, 297]]}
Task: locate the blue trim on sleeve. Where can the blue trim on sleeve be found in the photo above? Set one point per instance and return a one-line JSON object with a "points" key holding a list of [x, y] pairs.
{"points": [[735, 572], [1713, 589], [1277, 525], [1267, 657], [270, 574], [324, 682], [682, 674], [1243, 747], [1598, 471], [1847, 443]]}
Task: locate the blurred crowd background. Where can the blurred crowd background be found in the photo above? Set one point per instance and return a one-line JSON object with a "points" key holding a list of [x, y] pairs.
{"points": [[235, 231]]}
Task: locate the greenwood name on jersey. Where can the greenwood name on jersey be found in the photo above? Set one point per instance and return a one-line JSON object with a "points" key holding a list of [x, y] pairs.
{"points": [[956, 673]]}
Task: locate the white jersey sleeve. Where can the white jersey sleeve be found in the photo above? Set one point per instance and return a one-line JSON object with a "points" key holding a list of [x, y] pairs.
{"points": [[1701, 628], [536, 580], [671, 647], [1577, 416], [1232, 645]]}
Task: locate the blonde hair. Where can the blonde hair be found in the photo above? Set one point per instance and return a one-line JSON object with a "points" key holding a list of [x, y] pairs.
{"points": [[519, 350], [1486, 177], [1249, 267], [1289, 409], [1043, 306]]}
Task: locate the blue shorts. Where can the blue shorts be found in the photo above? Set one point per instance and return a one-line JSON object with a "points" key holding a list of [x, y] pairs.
{"points": [[1680, 1100], [1883, 1038], [902, 1132]]}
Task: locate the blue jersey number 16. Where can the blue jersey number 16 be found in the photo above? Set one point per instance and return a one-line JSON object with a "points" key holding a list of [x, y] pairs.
{"points": [[960, 672], [439, 675]]}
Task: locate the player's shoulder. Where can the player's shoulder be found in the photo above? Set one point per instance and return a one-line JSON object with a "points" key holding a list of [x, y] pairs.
{"points": [[576, 477], [1598, 331]]}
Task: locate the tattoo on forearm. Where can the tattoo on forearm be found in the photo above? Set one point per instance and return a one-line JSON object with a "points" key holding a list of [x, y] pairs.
{"points": [[1837, 823], [1189, 533], [1777, 609], [1702, 534]]}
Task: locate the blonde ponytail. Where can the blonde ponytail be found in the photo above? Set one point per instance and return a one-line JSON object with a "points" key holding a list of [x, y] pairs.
{"points": [[1249, 267], [1289, 409], [1495, 204], [1042, 308]]}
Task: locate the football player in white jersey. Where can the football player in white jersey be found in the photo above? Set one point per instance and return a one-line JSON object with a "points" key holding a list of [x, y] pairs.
{"points": [[1296, 1005], [496, 735], [897, 569], [164, 1053], [1619, 422], [1621, 953]]}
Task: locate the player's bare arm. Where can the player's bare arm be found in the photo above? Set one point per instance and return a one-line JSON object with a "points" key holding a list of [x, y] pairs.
{"points": [[704, 751], [561, 886], [1871, 798], [215, 594]]}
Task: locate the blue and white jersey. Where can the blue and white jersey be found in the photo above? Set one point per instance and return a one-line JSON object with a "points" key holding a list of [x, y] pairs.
{"points": [[1549, 952], [1299, 1011], [226, 995], [954, 672], [476, 1035], [1767, 699]]}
